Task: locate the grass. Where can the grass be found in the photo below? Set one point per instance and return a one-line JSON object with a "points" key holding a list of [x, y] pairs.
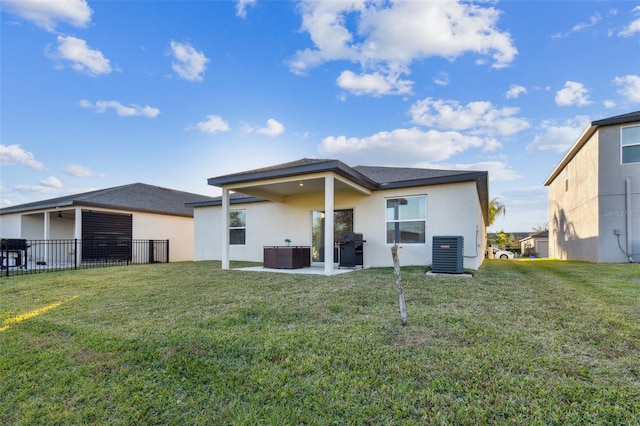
{"points": [[536, 343]]}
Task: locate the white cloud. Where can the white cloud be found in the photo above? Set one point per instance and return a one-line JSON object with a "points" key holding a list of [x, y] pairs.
{"points": [[609, 103], [515, 90], [368, 33], [213, 124], [13, 155], [446, 29], [499, 171], [400, 146], [188, 62], [582, 25], [593, 20], [558, 136], [274, 128], [40, 189], [375, 84], [527, 207], [629, 87], [241, 7], [51, 182], [480, 117], [122, 110], [47, 14], [633, 27], [573, 94], [83, 59], [81, 171], [442, 79]]}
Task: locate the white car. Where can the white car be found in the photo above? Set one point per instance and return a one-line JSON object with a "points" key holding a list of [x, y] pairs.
{"points": [[502, 254]]}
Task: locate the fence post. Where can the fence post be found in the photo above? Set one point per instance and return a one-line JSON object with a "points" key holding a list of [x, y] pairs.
{"points": [[75, 253], [167, 251], [4, 257], [151, 257]]}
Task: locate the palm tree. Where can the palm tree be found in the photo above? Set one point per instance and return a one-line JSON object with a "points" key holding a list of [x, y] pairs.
{"points": [[495, 208]]}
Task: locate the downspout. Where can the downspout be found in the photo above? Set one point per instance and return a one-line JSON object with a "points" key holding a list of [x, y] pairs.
{"points": [[627, 202]]}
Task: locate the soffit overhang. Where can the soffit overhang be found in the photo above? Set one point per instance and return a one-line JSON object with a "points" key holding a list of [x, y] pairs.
{"points": [[278, 189]]}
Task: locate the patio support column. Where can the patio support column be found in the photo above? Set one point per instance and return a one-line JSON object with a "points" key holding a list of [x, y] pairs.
{"points": [[329, 186], [77, 234], [47, 236], [225, 229]]}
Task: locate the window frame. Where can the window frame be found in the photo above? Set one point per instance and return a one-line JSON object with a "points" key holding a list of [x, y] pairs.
{"points": [[623, 145], [397, 231], [238, 228]]}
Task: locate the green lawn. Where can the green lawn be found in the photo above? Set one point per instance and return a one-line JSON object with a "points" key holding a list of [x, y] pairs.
{"points": [[522, 342]]}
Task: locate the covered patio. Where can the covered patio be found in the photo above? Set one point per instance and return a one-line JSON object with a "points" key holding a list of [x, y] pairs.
{"points": [[309, 270], [303, 177]]}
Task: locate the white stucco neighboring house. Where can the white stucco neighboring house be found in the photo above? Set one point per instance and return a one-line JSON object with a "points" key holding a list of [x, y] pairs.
{"points": [[297, 201], [136, 211], [594, 194], [536, 245]]}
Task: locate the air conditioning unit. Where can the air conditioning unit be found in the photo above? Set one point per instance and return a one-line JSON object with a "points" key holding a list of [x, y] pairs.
{"points": [[447, 255]]}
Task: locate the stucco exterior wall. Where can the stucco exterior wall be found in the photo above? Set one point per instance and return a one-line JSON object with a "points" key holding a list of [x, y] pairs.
{"points": [[539, 245], [10, 226], [452, 209], [573, 207], [178, 230]]}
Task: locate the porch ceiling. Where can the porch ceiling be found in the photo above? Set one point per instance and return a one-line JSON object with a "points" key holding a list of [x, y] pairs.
{"points": [[279, 189]]}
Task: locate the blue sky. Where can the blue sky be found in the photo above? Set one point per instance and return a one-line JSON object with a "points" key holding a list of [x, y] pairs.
{"points": [[96, 94]]}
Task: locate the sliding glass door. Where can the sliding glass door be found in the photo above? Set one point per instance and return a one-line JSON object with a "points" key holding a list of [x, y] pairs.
{"points": [[342, 222]]}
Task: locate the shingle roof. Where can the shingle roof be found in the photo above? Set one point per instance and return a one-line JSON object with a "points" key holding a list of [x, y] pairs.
{"points": [[135, 197], [300, 167], [385, 176], [371, 177], [618, 119]]}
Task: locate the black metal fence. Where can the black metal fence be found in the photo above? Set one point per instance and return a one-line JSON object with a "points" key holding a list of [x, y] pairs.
{"points": [[21, 256]]}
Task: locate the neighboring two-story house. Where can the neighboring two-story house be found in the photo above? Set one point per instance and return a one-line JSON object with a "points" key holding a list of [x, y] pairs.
{"points": [[594, 194]]}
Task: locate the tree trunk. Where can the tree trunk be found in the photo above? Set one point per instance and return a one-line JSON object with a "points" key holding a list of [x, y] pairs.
{"points": [[396, 272]]}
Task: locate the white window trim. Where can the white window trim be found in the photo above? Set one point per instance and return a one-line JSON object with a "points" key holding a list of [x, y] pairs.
{"points": [[623, 146], [386, 221], [238, 227]]}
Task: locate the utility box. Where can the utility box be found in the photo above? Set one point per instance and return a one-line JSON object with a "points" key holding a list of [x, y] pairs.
{"points": [[447, 255]]}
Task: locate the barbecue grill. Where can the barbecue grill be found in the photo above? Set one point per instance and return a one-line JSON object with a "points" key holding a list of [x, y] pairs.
{"points": [[351, 250], [13, 253]]}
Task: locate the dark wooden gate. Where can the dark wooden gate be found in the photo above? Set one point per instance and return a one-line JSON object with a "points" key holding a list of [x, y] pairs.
{"points": [[106, 236]]}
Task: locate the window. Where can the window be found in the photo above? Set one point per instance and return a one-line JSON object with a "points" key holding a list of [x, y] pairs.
{"points": [[237, 227], [630, 144], [406, 220]]}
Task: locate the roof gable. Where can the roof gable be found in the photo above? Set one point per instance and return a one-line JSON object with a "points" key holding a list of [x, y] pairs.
{"points": [[586, 136], [300, 167]]}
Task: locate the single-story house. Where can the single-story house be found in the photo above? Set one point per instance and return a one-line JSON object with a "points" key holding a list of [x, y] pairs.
{"points": [[594, 194], [293, 203], [535, 245], [130, 212]]}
